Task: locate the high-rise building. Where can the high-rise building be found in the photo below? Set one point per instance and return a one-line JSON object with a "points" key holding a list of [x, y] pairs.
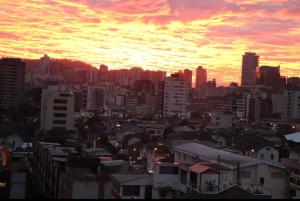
{"points": [[57, 110], [249, 68], [293, 82], [103, 73], [201, 76], [270, 76], [12, 79], [176, 93], [160, 93], [93, 75], [45, 65], [291, 104], [188, 75], [93, 98], [131, 102]]}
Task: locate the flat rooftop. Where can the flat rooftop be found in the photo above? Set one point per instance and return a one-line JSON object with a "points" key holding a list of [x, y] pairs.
{"points": [[212, 154]]}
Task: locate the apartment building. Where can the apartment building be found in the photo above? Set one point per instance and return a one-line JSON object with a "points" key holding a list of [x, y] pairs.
{"points": [[57, 110], [176, 97]]}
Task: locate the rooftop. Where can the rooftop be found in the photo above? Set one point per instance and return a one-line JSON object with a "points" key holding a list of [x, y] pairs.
{"points": [[218, 156], [295, 137], [123, 178], [210, 153]]}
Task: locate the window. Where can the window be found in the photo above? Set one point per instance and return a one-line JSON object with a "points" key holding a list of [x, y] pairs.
{"points": [[60, 108], [262, 181], [168, 170], [2, 184], [60, 101], [245, 174], [65, 95], [59, 115], [131, 190], [59, 121], [272, 157], [262, 156]]}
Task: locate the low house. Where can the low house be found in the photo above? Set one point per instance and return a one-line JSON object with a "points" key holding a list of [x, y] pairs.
{"points": [[257, 147], [293, 164], [253, 175], [128, 186]]}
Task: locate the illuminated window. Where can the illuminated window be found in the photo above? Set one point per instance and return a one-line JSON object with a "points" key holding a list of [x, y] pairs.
{"points": [[2, 184]]}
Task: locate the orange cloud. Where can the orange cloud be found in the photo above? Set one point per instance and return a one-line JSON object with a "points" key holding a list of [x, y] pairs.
{"points": [[155, 34]]}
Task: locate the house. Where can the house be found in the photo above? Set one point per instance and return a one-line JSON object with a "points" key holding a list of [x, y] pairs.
{"points": [[221, 120], [232, 192], [257, 147], [252, 174], [293, 164], [128, 186]]}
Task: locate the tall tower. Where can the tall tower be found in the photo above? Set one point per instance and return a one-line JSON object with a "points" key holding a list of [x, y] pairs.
{"points": [[188, 75], [45, 65], [201, 76], [249, 68], [12, 79], [176, 91]]}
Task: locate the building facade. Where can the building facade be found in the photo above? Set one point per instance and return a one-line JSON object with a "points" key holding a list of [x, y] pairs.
{"points": [[12, 81], [175, 96], [201, 76], [57, 110], [249, 68]]}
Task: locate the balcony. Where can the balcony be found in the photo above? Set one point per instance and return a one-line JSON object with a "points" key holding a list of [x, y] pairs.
{"points": [[295, 176]]}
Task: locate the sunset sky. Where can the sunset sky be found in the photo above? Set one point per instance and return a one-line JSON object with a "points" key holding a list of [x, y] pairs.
{"points": [[155, 34]]}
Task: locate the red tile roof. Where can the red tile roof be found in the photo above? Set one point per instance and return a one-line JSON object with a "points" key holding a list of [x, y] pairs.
{"points": [[198, 168]]}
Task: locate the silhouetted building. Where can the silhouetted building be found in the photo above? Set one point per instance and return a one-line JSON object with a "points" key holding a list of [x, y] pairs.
{"points": [[160, 97], [12, 79], [249, 68], [270, 76], [293, 82], [188, 75], [201, 76]]}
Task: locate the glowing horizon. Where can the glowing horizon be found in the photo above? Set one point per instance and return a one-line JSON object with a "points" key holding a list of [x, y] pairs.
{"points": [[167, 35]]}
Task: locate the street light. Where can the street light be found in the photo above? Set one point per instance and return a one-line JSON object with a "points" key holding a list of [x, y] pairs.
{"points": [[95, 141]]}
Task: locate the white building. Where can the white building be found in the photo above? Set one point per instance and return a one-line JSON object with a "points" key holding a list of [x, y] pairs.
{"points": [[253, 175], [128, 186], [293, 164], [175, 97], [57, 110], [221, 120], [292, 104], [93, 98]]}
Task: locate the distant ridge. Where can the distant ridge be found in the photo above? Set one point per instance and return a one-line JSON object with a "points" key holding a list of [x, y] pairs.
{"points": [[32, 64]]}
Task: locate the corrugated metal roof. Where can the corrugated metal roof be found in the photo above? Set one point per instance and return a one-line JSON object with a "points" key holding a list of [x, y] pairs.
{"points": [[295, 137]]}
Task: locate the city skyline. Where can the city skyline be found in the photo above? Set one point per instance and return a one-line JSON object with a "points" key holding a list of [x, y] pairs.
{"points": [[156, 35]]}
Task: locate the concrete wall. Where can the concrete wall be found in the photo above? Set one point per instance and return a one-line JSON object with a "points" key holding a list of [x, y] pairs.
{"points": [[85, 190], [208, 178], [18, 185], [267, 154]]}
